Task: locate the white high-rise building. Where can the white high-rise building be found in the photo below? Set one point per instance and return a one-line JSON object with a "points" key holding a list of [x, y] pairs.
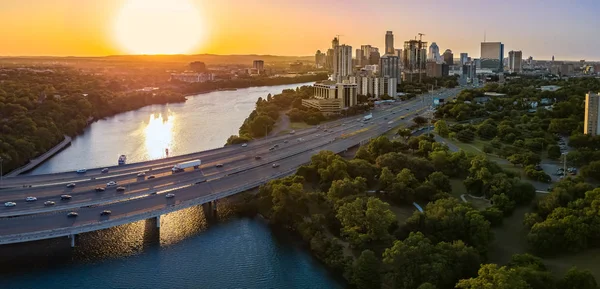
{"points": [[592, 114], [389, 43], [389, 66], [342, 62], [434, 53]]}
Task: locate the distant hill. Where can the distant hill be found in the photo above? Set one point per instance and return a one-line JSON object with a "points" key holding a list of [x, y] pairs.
{"points": [[210, 59]]}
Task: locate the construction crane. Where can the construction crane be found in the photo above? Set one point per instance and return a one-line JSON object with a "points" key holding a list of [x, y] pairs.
{"points": [[421, 36], [338, 36]]}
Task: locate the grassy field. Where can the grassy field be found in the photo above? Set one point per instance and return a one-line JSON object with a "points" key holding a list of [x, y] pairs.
{"points": [[299, 125], [403, 212]]}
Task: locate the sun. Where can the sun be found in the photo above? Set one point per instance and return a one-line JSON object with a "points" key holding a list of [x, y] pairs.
{"points": [[158, 27]]}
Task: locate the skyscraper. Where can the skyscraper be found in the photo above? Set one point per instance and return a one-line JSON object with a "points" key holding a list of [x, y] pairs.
{"points": [[358, 57], [515, 59], [434, 53], [388, 66], [464, 58], [448, 57], [492, 55], [389, 43], [342, 61], [366, 54], [592, 113]]}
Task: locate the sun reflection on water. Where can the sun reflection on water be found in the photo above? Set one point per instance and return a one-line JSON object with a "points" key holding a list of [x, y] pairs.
{"points": [[158, 135]]}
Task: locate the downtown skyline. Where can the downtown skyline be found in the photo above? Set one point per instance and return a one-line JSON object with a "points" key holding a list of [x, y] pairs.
{"points": [[86, 28]]}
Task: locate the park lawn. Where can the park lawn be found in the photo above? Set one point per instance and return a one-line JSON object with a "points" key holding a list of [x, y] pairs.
{"points": [[511, 238], [403, 212], [299, 125]]}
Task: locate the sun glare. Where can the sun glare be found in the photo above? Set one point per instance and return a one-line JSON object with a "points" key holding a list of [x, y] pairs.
{"points": [[158, 27]]}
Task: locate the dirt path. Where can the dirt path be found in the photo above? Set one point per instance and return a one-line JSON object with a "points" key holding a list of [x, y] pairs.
{"points": [[283, 124]]}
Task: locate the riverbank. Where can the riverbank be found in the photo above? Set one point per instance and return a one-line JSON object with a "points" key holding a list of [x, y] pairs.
{"points": [[41, 159]]}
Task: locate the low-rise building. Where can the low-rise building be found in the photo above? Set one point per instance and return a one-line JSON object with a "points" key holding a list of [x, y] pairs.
{"points": [[549, 88], [193, 77], [331, 98]]}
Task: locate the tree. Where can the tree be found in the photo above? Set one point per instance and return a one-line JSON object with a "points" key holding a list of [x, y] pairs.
{"points": [[592, 170], [465, 136], [441, 128], [419, 120], [503, 203], [386, 179], [365, 220], [578, 279], [417, 260], [494, 215], [427, 285], [440, 181], [366, 271], [449, 220], [347, 187], [404, 132], [490, 276]]}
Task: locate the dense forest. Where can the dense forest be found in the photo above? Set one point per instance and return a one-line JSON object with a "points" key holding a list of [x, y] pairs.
{"points": [[39, 106]]}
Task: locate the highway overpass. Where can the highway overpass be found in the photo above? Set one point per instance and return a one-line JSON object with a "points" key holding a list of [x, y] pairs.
{"points": [[239, 173]]}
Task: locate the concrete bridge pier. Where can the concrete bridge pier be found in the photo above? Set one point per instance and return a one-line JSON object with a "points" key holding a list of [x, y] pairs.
{"points": [[72, 237], [157, 221], [214, 206]]}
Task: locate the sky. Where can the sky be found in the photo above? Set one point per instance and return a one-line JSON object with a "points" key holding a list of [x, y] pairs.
{"points": [[540, 28]]}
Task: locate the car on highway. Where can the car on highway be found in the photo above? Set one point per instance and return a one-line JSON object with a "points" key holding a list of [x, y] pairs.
{"points": [[169, 195], [276, 146], [72, 214], [142, 174], [257, 157], [150, 177], [10, 204], [275, 165], [244, 145], [120, 189], [81, 171], [65, 197], [111, 183], [104, 170], [49, 203], [71, 185], [271, 148], [219, 165], [407, 108], [105, 213], [285, 141], [30, 199], [99, 189]]}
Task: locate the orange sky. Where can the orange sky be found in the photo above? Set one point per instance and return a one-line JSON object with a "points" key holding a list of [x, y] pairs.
{"points": [[300, 27]]}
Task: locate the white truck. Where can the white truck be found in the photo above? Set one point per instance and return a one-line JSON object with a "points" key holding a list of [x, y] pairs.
{"points": [[368, 117], [180, 167]]}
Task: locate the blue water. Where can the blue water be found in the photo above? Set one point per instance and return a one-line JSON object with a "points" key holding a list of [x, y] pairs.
{"points": [[187, 251], [240, 253]]}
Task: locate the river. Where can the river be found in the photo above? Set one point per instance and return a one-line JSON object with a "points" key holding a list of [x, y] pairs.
{"points": [[191, 249]]}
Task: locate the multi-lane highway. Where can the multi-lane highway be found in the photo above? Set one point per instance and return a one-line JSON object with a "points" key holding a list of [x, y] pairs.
{"points": [[240, 171]]}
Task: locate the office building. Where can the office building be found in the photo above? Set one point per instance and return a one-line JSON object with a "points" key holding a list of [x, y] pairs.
{"points": [[448, 57], [469, 71], [434, 53], [515, 59], [198, 66], [259, 65], [366, 54], [374, 57], [358, 57], [492, 56], [389, 66], [329, 59], [331, 97], [464, 58], [376, 87], [592, 113], [389, 43], [320, 59], [433, 69]]}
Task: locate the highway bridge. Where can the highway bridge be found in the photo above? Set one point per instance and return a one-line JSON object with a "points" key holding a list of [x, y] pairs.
{"points": [[145, 198]]}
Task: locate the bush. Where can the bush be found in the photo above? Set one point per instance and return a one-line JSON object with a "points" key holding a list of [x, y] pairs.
{"points": [[465, 136]]}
